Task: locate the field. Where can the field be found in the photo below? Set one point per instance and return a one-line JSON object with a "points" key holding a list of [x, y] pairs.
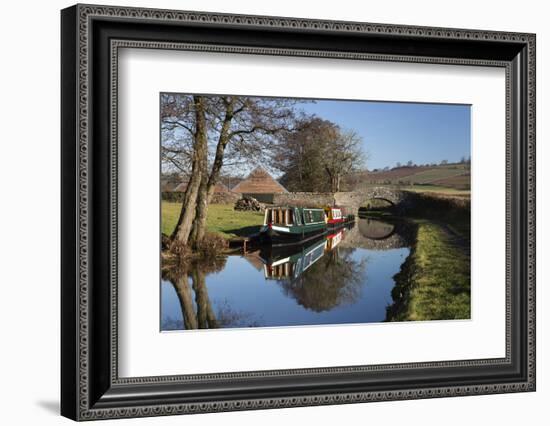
{"points": [[451, 176], [221, 219], [457, 182], [434, 175], [437, 189]]}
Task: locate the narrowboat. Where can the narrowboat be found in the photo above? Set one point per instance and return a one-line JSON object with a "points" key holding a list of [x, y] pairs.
{"points": [[334, 216], [292, 225]]}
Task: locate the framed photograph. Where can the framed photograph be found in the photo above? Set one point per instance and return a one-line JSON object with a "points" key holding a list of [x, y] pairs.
{"points": [[263, 212]]}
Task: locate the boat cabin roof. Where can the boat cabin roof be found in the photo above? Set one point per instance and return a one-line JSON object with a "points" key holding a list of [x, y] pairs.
{"points": [[294, 207]]}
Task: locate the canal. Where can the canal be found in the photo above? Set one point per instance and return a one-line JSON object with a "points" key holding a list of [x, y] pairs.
{"points": [[344, 277]]}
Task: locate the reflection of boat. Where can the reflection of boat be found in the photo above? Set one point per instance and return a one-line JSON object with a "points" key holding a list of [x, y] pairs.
{"points": [[292, 225], [292, 261], [334, 239]]}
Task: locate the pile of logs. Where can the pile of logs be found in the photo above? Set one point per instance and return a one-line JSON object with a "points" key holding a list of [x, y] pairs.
{"points": [[249, 204]]}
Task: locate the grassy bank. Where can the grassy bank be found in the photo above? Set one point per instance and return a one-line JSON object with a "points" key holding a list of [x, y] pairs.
{"points": [[434, 282], [450, 210], [221, 219]]}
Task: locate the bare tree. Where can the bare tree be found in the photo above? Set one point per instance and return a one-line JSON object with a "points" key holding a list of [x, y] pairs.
{"points": [[317, 154], [299, 155], [342, 155], [204, 133], [197, 125], [177, 130]]}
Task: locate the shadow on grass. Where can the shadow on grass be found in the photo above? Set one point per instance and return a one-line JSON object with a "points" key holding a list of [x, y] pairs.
{"points": [[245, 231]]}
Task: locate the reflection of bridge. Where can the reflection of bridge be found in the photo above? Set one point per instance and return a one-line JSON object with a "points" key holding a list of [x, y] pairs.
{"points": [[358, 237]]}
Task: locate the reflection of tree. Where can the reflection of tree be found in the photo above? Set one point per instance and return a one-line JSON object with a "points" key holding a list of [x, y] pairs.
{"points": [[181, 284], [228, 317], [205, 314], [197, 312], [333, 280]]}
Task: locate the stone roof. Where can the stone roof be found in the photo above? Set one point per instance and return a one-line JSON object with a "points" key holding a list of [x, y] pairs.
{"points": [[259, 182]]}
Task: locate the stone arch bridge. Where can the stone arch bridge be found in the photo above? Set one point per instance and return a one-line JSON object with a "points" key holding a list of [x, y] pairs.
{"points": [[354, 200], [351, 200]]}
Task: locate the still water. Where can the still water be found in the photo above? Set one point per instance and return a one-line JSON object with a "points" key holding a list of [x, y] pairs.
{"points": [[344, 277]]}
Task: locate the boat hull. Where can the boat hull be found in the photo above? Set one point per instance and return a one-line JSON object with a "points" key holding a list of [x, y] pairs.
{"points": [[340, 223], [275, 236], [274, 253]]}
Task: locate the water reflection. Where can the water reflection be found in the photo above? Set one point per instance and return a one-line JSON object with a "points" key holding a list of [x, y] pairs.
{"points": [[376, 229], [333, 276], [343, 277], [192, 295]]}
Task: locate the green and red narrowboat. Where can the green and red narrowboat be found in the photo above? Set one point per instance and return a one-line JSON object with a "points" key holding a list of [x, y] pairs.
{"points": [[292, 225], [334, 216]]}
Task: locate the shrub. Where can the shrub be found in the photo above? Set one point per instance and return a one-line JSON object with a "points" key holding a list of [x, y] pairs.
{"points": [[175, 196], [212, 244]]}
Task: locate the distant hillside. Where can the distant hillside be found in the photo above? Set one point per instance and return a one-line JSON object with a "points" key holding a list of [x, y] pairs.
{"points": [[454, 176]]}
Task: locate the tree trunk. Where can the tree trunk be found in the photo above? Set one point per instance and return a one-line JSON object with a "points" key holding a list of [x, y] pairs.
{"points": [[199, 224], [208, 183], [332, 179], [181, 233], [206, 191]]}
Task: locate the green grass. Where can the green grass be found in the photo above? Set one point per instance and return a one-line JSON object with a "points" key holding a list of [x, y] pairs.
{"points": [[221, 219], [434, 282]]}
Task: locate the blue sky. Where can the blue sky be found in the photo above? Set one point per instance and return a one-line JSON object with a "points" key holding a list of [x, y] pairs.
{"points": [[398, 132]]}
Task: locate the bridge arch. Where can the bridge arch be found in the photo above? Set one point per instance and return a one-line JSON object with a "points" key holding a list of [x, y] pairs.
{"points": [[367, 204], [392, 202]]}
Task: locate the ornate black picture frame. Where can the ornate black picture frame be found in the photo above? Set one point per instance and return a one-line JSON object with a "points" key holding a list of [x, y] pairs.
{"points": [[91, 36]]}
